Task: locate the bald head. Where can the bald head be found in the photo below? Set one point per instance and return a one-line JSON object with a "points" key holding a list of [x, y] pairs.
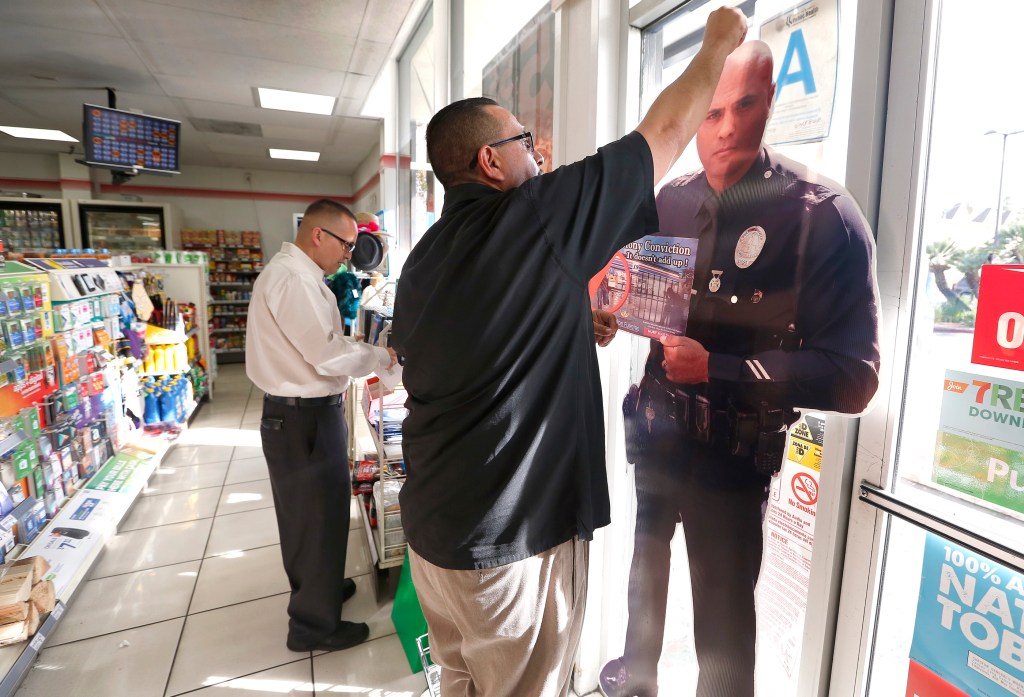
{"points": [[753, 58], [729, 139]]}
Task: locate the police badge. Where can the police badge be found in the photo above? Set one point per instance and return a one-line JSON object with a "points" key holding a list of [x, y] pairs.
{"points": [[749, 246]]}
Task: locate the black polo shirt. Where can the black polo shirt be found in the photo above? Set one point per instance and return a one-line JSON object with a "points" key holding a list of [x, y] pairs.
{"points": [[504, 442]]}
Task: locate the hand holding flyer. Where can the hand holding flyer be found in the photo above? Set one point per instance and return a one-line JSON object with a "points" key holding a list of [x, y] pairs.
{"points": [[646, 285]]}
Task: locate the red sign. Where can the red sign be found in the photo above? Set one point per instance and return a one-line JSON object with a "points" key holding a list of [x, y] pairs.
{"points": [[14, 398], [999, 324]]}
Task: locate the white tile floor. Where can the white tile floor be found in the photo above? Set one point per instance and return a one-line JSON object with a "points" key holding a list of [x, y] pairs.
{"points": [[190, 596]]}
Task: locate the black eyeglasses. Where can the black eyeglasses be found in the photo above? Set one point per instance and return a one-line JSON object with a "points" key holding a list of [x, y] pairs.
{"points": [[348, 245], [527, 136]]}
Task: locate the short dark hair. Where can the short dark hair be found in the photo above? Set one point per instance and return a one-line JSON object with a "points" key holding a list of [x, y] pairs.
{"points": [[456, 134], [326, 206]]}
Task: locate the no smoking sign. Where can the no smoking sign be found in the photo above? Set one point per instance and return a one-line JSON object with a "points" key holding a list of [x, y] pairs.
{"points": [[805, 488]]}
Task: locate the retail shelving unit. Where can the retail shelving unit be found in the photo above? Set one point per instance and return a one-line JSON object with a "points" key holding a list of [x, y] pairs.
{"points": [[232, 273]]}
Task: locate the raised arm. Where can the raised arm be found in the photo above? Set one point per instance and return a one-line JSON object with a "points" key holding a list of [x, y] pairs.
{"points": [[676, 114]]}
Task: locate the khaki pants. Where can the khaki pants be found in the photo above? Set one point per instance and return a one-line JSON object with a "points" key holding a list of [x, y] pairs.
{"points": [[510, 631]]}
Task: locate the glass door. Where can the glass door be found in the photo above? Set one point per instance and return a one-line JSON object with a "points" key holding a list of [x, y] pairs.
{"points": [[122, 228], [946, 616]]}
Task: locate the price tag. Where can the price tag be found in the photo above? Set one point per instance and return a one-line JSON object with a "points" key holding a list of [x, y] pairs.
{"points": [[37, 641], [58, 610]]}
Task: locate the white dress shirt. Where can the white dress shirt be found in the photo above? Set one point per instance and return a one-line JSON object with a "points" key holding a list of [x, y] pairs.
{"points": [[294, 343]]}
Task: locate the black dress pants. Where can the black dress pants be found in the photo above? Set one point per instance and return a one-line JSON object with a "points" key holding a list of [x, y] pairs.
{"points": [[722, 528], [307, 455]]}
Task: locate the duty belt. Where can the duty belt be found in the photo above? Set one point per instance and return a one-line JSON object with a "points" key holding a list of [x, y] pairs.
{"points": [[697, 417]]}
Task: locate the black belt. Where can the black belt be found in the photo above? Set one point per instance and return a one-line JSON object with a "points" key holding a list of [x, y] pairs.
{"points": [[328, 401]]}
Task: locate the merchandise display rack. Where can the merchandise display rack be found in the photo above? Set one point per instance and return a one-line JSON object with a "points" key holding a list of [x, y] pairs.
{"points": [[187, 283], [387, 539], [16, 660], [236, 259], [79, 464]]}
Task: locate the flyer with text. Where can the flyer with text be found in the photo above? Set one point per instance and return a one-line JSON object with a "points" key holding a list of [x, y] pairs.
{"points": [[968, 633], [647, 285], [979, 450]]}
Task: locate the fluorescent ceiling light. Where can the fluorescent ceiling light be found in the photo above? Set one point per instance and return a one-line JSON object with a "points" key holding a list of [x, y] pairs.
{"points": [[295, 101], [37, 133], [279, 154]]}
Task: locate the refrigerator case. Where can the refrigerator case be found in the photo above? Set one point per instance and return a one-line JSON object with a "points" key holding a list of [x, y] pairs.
{"points": [[33, 224], [123, 227]]}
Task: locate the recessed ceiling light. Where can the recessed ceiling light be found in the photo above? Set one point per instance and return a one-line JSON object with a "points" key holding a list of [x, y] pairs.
{"points": [[37, 133], [279, 154], [295, 101]]}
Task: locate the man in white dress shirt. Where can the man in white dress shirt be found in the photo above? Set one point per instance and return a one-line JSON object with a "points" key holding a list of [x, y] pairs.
{"points": [[296, 352]]}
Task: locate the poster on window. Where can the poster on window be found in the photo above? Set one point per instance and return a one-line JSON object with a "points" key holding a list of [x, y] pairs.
{"points": [[999, 322], [979, 449], [968, 636], [806, 36], [782, 320], [521, 78]]}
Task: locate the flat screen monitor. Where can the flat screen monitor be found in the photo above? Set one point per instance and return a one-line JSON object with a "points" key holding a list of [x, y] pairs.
{"points": [[126, 141]]}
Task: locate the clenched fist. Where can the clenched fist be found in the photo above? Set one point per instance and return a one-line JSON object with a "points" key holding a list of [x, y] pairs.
{"points": [[726, 27]]}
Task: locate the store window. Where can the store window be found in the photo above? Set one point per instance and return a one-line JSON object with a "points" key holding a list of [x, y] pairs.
{"points": [[509, 56], [950, 618], [416, 181]]}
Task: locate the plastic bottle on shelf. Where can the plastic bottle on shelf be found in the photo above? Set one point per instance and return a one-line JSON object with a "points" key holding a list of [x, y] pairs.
{"points": [[148, 364], [181, 357], [159, 359], [166, 403], [152, 407], [170, 359]]}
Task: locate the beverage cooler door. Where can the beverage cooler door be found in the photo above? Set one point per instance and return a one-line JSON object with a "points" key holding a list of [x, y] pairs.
{"points": [[32, 224], [122, 228]]}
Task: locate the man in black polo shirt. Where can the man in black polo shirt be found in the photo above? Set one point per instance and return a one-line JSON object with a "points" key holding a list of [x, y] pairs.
{"points": [[504, 441]]}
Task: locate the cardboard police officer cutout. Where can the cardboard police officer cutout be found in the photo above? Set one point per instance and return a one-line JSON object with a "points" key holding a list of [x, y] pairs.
{"points": [[781, 315]]}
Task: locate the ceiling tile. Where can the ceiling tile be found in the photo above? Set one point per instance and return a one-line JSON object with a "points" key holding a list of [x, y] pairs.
{"points": [[383, 19], [264, 117], [233, 145], [291, 133], [200, 74], [74, 59], [340, 17], [357, 86], [85, 17], [368, 57], [151, 23]]}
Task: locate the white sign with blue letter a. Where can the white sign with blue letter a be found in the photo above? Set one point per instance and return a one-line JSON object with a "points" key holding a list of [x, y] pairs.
{"points": [[805, 43]]}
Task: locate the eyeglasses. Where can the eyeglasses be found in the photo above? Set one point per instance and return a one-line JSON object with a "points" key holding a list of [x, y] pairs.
{"points": [[527, 136], [348, 245]]}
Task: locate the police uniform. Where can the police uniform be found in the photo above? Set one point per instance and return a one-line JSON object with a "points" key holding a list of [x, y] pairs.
{"points": [[784, 300]]}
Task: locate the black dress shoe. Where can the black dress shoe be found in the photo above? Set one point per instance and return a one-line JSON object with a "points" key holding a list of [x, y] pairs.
{"points": [[346, 635], [617, 681], [348, 589]]}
